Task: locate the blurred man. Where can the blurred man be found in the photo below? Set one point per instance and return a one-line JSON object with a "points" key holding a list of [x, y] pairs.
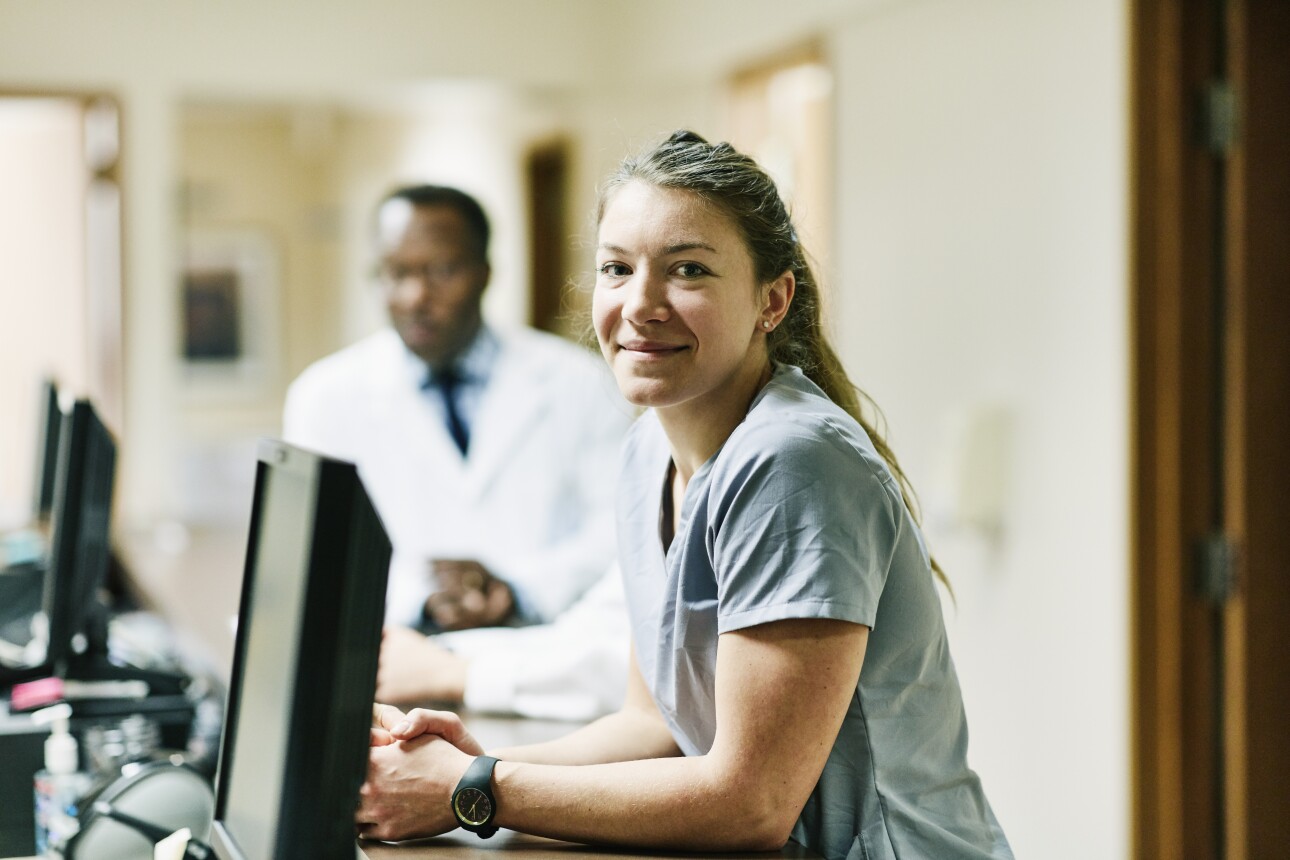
{"points": [[490, 454]]}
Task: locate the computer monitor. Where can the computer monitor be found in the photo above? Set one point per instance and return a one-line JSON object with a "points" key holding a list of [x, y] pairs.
{"points": [[51, 421], [80, 546], [299, 709]]}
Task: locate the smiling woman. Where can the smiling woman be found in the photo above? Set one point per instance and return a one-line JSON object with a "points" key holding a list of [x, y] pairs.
{"points": [[768, 556], [679, 314]]}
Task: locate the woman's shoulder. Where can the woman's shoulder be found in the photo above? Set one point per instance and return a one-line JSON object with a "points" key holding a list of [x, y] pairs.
{"points": [[794, 427]]}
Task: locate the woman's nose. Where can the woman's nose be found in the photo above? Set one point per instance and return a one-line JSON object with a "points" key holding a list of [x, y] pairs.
{"points": [[645, 299]]}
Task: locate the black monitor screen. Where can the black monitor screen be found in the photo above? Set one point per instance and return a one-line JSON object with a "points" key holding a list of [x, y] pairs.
{"points": [[294, 752], [51, 419], [80, 547], [282, 568]]}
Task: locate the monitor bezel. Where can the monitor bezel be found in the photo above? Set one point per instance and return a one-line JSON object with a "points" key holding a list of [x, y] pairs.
{"points": [[342, 614], [79, 549], [47, 438]]}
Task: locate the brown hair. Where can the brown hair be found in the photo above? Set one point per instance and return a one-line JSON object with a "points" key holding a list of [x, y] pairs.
{"points": [[737, 186]]}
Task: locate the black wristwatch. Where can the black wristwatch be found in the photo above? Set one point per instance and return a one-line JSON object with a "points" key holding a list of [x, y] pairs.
{"points": [[472, 800]]}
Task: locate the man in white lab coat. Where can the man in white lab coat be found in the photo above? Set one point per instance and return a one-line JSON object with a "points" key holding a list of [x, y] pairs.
{"points": [[491, 455]]}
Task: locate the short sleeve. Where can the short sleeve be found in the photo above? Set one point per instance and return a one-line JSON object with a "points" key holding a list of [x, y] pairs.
{"points": [[800, 525]]}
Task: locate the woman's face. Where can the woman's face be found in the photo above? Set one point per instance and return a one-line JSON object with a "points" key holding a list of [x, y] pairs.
{"points": [[676, 307]]}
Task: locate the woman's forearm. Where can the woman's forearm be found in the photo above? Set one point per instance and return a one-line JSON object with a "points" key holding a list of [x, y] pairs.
{"points": [[687, 803], [626, 735]]}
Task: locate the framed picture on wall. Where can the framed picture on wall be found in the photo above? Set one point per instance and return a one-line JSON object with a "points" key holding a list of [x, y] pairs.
{"points": [[212, 314], [228, 304]]}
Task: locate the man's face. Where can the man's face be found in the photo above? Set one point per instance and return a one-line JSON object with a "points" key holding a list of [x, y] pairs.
{"points": [[433, 276]]}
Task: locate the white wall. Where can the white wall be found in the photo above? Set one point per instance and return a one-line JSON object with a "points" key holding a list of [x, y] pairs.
{"points": [[43, 331], [982, 175]]}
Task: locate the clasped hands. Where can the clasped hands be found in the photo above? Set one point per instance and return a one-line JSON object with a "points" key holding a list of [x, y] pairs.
{"points": [[467, 595], [414, 763]]}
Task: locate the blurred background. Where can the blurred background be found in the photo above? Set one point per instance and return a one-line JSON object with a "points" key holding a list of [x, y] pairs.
{"points": [[186, 191]]}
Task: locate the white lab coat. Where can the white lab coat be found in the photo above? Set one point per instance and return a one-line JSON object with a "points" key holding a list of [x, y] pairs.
{"points": [[533, 501]]}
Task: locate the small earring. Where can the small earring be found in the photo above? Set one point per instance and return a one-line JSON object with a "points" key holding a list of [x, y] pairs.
{"points": [[765, 324]]}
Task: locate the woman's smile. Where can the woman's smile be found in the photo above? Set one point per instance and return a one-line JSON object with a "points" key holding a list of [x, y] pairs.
{"points": [[650, 350]]}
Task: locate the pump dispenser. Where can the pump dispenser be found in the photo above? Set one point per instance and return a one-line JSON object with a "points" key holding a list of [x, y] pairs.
{"points": [[60, 785], [61, 753]]}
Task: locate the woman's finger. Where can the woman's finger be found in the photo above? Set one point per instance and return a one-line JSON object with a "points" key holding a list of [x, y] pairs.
{"points": [[386, 716], [445, 724]]}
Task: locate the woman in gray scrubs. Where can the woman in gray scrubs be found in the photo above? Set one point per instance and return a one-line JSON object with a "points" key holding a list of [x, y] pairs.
{"points": [[769, 554]]}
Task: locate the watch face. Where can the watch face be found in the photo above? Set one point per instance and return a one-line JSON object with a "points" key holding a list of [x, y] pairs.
{"points": [[472, 806]]}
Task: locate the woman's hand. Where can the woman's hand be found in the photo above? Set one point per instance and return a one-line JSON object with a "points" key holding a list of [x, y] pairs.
{"points": [[381, 715], [408, 792], [419, 721]]}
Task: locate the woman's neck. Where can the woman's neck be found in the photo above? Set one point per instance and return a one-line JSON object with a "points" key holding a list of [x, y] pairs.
{"points": [[697, 429]]}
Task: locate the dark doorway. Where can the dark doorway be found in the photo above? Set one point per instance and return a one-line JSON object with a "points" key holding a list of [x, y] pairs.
{"points": [[547, 170]]}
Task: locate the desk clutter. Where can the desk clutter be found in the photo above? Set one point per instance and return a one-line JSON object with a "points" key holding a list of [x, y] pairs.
{"points": [[111, 741], [118, 695], [83, 788], [144, 731]]}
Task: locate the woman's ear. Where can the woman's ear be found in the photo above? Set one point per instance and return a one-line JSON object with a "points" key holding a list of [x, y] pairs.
{"points": [[776, 298]]}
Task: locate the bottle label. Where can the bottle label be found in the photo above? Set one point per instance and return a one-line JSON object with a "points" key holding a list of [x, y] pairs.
{"points": [[58, 797]]}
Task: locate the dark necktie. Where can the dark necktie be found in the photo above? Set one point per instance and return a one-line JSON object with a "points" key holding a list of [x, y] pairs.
{"points": [[447, 381]]}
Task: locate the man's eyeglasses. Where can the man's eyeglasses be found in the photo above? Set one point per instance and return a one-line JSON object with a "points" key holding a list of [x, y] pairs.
{"points": [[432, 274]]}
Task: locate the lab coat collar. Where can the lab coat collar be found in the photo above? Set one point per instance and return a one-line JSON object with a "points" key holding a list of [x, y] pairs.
{"points": [[474, 364], [519, 392]]}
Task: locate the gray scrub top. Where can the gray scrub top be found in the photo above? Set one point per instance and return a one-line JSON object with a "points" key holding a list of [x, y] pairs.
{"points": [[797, 516]]}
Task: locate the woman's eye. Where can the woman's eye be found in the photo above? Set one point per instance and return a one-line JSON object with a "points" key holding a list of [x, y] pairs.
{"points": [[613, 270], [691, 270]]}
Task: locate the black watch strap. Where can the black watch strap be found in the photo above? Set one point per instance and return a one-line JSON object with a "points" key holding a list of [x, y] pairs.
{"points": [[473, 803]]}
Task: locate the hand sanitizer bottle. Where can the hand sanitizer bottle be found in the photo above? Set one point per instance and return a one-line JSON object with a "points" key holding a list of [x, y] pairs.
{"points": [[60, 785]]}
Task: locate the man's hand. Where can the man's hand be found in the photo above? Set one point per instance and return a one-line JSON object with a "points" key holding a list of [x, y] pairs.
{"points": [[413, 670], [468, 596]]}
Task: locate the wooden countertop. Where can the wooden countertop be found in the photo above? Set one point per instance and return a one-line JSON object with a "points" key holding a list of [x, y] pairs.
{"points": [[460, 845]]}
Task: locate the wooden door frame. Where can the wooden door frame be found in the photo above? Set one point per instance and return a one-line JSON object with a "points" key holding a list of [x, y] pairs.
{"points": [[1211, 432], [1258, 426], [1170, 273]]}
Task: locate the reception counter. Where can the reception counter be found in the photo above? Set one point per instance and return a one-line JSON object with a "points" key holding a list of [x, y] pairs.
{"points": [[459, 845]]}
